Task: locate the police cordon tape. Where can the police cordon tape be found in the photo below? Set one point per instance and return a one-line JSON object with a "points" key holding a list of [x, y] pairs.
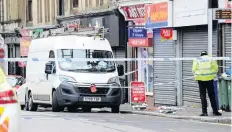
{"points": [[159, 84], [114, 59]]}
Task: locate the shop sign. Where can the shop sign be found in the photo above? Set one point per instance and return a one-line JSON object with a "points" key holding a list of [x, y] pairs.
{"points": [[166, 34], [156, 15], [133, 12], [25, 42], [138, 91], [138, 37]]}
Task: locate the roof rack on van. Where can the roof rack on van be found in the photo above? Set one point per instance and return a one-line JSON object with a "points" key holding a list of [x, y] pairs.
{"points": [[63, 31]]}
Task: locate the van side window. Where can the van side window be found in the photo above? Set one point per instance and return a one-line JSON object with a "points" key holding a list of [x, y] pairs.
{"points": [[52, 55]]}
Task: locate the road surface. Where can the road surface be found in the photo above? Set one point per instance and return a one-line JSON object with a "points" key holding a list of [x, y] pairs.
{"points": [[45, 121]]}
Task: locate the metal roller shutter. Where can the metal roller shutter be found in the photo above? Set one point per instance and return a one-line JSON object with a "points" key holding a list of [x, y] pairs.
{"points": [[164, 71], [228, 43], [195, 40]]}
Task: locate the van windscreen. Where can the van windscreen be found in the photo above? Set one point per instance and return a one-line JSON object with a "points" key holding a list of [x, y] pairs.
{"points": [[86, 66]]}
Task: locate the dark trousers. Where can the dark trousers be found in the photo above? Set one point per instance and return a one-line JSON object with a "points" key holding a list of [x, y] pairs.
{"points": [[203, 85]]}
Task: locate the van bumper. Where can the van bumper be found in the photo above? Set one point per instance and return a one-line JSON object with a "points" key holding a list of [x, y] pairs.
{"points": [[68, 95]]}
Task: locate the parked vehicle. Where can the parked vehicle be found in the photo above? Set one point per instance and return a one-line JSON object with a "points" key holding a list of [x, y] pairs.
{"points": [[18, 83], [9, 107], [72, 84]]}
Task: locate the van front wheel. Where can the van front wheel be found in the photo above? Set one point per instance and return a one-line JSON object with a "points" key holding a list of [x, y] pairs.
{"points": [[115, 109], [31, 105], [55, 105]]}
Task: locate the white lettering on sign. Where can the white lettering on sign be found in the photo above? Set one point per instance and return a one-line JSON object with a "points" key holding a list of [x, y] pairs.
{"points": [[134, 12], [138, 42], [141, 11], [167, 33], [137, 30]]}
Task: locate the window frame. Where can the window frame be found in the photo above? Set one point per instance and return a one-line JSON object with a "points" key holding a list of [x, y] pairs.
{"points": [[75, 3]]}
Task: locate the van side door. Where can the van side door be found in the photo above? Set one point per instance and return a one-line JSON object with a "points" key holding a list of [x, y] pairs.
{"points": [[48, 80]]}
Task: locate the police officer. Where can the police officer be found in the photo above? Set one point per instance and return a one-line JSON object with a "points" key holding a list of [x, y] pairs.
{"points": [[204, 72]]}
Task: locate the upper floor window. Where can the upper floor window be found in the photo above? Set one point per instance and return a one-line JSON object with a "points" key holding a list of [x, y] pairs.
{"points": [[101, 2], [75, 3], [30, 18]]}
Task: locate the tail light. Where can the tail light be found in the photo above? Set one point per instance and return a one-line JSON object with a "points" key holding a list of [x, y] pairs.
{"points": [[17, 86], [8, 97]]}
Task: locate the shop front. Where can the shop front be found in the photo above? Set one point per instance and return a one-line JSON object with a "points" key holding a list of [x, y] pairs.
{"points": [[164, 72], [194, 40], [140, 45], [142, 40]]}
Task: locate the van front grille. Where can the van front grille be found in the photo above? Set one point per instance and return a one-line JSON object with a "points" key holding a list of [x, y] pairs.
{"points": [[86, 90]]}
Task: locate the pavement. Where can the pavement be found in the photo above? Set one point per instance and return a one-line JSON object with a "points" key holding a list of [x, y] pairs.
{"points": [[104, 121], [188, 113]]}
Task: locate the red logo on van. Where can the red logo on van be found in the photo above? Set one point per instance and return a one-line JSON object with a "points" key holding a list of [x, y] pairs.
{"points": [[93, 88]]}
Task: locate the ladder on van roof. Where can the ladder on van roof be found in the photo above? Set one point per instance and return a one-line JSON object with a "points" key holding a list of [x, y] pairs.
{"points": [[62, 31]]}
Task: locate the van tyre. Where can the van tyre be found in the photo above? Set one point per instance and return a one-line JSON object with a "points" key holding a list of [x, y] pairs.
{"points": [[31, 105], [115, 109], [22, 107], [55, 105], [86, 109], [26, 105]]}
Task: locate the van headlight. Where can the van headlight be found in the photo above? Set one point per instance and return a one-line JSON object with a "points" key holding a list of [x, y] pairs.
{"points": [[115, 86], [66, 78], [113, 80]]}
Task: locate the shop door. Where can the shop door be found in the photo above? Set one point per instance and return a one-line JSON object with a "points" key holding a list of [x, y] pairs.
{"points": [[164, 71], [195, 40]]}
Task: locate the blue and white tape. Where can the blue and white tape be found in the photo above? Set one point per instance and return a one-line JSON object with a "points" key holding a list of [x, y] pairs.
{"points": [[113, 59]]}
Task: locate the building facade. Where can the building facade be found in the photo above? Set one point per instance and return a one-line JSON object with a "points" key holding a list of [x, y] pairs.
{"points": [[25, 15], [181, 32]]}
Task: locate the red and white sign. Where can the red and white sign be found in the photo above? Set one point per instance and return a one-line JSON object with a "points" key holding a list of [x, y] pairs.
{"points": [[138, 92], [133, 12], [166, 33], [2, 53], [138, 42]]}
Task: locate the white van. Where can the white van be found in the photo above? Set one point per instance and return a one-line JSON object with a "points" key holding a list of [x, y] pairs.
{"points": [[72, 84]]}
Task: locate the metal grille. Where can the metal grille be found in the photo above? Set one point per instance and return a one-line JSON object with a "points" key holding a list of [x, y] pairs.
{"points": [[86, 90], [164, 72], [195, 40], [228, 44]]}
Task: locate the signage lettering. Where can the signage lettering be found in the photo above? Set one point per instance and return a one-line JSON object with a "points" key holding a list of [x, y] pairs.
{"points": [[223, 14], [138, 92], [166, 34], [134, 12], [137, 33]]}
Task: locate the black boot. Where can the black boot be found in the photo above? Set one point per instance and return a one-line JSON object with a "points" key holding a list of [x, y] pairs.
{"points": [[204, 114], [217, 113]]}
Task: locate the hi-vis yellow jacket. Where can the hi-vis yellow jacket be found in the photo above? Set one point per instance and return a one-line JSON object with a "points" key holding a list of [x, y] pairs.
{"points": [[204, 70]]}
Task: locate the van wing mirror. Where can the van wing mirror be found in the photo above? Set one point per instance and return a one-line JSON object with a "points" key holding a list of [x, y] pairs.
{"points": [[48, 68], [120, 70]]}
